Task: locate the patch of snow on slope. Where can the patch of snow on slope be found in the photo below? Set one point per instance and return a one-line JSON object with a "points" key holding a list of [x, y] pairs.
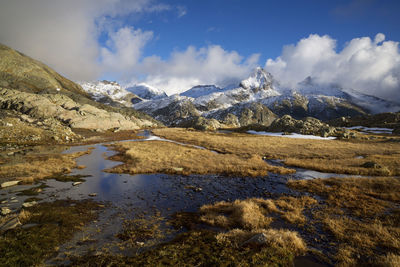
{"points": [[293, 135]]}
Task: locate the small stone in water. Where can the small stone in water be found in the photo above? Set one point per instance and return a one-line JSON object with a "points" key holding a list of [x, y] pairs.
{"points": [[11, 224], [5, 211], [76, 183], [92, 194], [29, 204], [9, 183]]}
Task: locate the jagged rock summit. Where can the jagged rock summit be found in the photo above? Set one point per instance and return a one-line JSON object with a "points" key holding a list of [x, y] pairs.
{"points": [[259, 79]]}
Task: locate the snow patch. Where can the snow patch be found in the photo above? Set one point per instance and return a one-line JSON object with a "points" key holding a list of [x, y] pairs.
{"points": [[293, 135]]}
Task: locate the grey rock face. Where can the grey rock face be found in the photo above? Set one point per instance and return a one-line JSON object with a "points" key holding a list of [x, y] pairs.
{"points": [[65, 110], [200, 123], [245, 114], [311, 126]]}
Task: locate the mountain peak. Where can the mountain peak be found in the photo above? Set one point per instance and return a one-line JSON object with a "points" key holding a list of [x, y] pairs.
{"points": [[259, 79], [146, 91]]}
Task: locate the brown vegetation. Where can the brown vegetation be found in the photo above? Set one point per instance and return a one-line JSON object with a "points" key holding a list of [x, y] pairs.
{"points": [[282, 239], [166, 157], [255, 213], [38, 166], [337, 156], [53, 224], [361, 214]]}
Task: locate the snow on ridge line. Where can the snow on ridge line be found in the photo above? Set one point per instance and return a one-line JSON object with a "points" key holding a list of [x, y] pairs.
{"points": [[293, 135]]}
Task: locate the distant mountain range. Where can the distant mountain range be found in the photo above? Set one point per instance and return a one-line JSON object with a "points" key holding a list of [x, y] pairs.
{"points": [[259, 99]]}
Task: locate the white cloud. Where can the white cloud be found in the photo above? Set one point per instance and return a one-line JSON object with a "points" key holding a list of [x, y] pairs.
{"points": [[182, 11], [124, 49], [368, 66], [64, 34], [206, 65]]}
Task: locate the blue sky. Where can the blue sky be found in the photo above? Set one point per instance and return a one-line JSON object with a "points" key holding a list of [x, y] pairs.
{"points": [[177, 44], [265, 26]]}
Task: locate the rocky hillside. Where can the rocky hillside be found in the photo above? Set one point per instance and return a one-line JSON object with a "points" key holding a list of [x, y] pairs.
{"points": [[35, 97]]}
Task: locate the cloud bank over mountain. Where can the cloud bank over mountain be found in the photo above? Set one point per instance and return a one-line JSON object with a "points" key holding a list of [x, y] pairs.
{"points": [[368, 66]]}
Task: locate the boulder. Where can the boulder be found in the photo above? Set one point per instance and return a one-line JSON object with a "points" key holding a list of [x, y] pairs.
{"points": [[29, 204], [309, 125], [200, 123], [9, 183], [10, 224], [258, 239], [371, 165], [382, 170], [4, 211]]}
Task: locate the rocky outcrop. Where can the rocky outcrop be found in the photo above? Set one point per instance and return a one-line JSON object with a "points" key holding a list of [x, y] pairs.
{"points": [[200, 123], [308, 126], [177, 111], [67, 111], [245, 114]]}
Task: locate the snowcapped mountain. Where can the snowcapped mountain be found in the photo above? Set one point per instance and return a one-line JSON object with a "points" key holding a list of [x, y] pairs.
{"points": [[146, 91], [259, 98], [259, 79], [108, 92]]}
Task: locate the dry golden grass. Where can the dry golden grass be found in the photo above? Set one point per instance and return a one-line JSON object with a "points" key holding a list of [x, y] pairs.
{"points": [[328, 156], [361, 214], [33, 167], [284, 239], [253, 213], [166, 157], [247, 218], [390, 260], [247, 214], [291, 208]]}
